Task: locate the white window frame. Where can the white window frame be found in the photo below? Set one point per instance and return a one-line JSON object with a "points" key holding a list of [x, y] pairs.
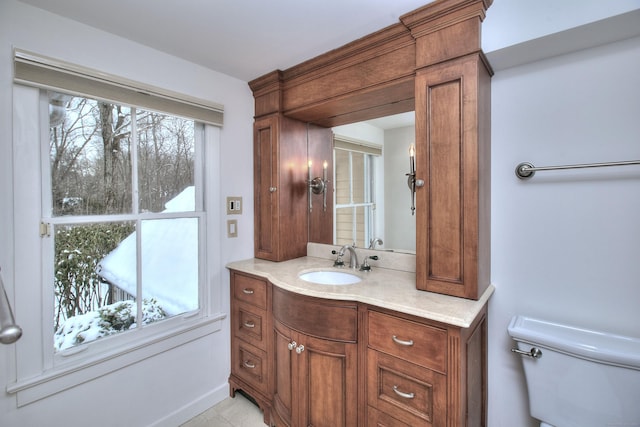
{"points": [[40, 373], [369, 185]]}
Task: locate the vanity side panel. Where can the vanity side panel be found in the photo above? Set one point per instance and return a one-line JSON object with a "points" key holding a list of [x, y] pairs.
{"points": [[467, 376], [265, 179]]}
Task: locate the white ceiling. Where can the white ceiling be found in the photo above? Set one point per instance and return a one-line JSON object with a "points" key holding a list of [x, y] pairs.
{"points": [[241, 38]]}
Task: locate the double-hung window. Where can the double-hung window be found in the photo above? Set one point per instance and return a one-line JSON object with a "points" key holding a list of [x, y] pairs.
{"points": [[122, 203], [127, 227], [355, 196]]}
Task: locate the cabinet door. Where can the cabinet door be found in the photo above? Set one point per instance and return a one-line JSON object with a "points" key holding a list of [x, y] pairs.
{"points": [[452, 156], [280, 191], [315, 380], [283, 391], [327, 375], [265, 187]]}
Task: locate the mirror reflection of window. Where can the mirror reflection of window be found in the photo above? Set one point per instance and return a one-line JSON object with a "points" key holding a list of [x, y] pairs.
{"points": [[355, 200], [390, 220]]}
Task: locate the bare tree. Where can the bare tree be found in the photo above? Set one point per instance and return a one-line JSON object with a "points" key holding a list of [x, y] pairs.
{"points": [[111, 128]]}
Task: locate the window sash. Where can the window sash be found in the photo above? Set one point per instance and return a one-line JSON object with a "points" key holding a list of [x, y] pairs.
{"points": [[99, 346], [38, 374], [361, 211], [52, 74], [351, 144]]}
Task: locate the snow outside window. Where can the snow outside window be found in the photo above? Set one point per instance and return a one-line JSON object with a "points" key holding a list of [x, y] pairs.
{"points": [[123, 200]]}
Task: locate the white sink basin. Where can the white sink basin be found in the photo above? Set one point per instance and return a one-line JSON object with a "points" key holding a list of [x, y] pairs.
{"points": [[330, 277]]}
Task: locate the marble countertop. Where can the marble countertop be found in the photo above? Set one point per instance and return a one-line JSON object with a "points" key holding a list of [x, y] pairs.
{"points": [[382, 287]]}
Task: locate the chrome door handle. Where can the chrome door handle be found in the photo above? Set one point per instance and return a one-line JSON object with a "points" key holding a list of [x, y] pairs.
{"points": [[299, 349], [534, 353], [403, 394], [402, 342], [292, 345]]}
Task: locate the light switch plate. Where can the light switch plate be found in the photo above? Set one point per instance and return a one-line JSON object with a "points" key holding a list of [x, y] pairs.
{"points": [[232, 228], [234, 205]]}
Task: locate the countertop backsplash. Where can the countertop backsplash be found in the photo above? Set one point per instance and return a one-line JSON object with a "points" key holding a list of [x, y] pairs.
{"points": [[386, 259]]}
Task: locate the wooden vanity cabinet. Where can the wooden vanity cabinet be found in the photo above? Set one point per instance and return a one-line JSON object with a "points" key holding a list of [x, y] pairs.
{"points": [[421, 373], [315, 361], [250, 332], [453, 158], [406, 369], [280, 191]]}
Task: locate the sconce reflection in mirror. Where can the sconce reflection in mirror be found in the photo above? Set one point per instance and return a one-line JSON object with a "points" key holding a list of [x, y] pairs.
{"points": [[412, 182], [318, 185]]}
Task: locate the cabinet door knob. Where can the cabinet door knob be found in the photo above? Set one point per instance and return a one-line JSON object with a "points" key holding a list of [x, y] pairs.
{"points": [[272, 189], [402, 342], [299, 349], [248, 291], [248, 364], [292, 345], [403, 394], [249, 325]]}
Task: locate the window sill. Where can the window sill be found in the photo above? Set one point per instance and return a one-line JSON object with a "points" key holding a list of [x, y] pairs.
{"points": [[59, 379]]}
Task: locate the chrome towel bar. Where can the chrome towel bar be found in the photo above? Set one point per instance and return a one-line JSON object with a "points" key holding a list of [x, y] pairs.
{"points": [[526, 170], [9, 331]]}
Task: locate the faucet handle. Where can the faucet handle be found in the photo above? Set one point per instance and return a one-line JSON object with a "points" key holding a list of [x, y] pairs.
{"points": [[338, 262], [365, 265]]}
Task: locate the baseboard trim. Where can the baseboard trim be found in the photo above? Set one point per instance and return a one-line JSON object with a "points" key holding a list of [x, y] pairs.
{"points": [[196, 407]]}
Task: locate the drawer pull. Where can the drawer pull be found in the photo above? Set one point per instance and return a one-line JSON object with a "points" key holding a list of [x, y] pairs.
{"points": [[402, 394], [250, 325], [402, 342], [248, 364], [248, 291]]}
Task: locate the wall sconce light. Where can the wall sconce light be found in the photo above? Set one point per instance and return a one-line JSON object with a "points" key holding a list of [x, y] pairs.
{"points": [[318, 185], [412, 182]]}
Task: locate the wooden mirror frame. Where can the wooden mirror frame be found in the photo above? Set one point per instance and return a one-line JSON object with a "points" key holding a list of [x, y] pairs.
{"points": [[375, 75], [393, 71]]}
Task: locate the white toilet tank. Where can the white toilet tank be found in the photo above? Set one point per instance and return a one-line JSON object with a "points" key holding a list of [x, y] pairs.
{"points": [[580, 378]]}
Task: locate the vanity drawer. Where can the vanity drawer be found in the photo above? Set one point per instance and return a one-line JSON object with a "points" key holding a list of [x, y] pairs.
{"points": [[415, 342], [249, 289], [376, 418], [249, 324], [250, 364], [406, 392]]}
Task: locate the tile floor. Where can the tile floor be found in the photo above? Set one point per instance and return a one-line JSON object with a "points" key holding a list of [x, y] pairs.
{"points": [[231, 412]]}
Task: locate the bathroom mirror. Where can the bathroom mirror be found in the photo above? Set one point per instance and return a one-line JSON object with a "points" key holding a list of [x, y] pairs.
{"points": [[372, 199]]}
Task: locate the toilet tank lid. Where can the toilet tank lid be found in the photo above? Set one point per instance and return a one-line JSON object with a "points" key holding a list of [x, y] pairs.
{"points": [[594, 345]]}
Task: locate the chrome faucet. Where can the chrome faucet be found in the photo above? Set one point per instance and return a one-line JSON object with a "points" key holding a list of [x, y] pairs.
{"points": [[374, 242], [353, 257]]}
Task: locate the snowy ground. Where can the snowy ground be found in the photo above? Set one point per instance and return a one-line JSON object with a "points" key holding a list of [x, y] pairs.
{"points": [[108, 320]]}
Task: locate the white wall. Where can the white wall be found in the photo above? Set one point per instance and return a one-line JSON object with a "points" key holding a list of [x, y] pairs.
{"points": [[178, 383], [400, 230], [510, 23], [565, 245]]}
